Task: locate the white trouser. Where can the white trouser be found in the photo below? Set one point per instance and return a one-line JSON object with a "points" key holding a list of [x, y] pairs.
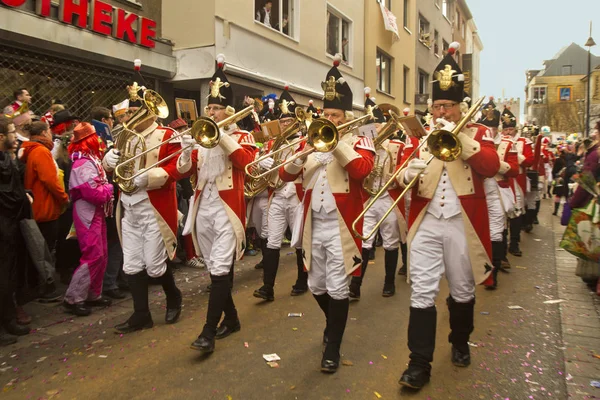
{"points": [[282, 213], [439, 246], [327, 272], [143, 245], [259, 215], [390, 232], [520, 198], [496, 212], [215, 236], [531, 198]]}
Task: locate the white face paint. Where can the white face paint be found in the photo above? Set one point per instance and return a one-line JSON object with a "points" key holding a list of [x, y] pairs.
{"points": [[271, 104]]}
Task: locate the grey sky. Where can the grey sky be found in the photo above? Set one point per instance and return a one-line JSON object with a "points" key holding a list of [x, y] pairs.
{"points": [[520, 34]]}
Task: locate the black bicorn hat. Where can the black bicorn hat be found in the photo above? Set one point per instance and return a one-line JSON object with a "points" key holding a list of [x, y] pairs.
{"points": [[508, 119], [490, 116], [338, 94], [312, 110], [370, 102], [449, 80], [220, 92], [63, 116], [286, 105]]}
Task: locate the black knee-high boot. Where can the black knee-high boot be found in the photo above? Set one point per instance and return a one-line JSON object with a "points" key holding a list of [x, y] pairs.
{"points": [[391, 262], [515, 236], [338, 316], [263, 245], [421, 343], [173, 295], [461, 325], [323, 301], [497, 254], [537, 211], [556, 207], [217, 299], [141, 317], [301, 285], [528, 220], [231, 322], [404, 251], [356, 281], [270, 266]]}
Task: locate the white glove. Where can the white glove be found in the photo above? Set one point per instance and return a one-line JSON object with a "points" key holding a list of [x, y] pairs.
{"points": [[448, 126], [267, 163], [112, 158], [187, 144], [414, 168], [141, 181]]}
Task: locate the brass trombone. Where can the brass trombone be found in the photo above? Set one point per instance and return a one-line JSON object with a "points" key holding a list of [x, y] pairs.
{"points": [[443, 145], [322, 135], [205, 131]]}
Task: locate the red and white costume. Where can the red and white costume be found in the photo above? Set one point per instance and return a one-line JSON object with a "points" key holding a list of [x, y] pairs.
{"points": [[147, 220], [526, 158], [332, 201], [218, 214], [448, 217]]}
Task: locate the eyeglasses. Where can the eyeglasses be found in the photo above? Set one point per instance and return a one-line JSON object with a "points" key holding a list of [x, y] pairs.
{"points": [[446, 106]]}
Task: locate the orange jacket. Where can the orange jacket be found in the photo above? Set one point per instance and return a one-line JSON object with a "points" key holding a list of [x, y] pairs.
{"points": [[41, 177]]}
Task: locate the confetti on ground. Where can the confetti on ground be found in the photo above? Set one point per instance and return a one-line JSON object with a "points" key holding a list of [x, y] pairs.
{"points": [[273, 364], [484, 313], [377, 394], [597, 355], [292, 314], [554, 301], [371, 262], [519, 267], [347, 363], [102, 356], [41, 359], [229, 397], [271, 357], [595, 384], [538, 240], [384, 357], [472, 344], [246, 344], [515, 308]]}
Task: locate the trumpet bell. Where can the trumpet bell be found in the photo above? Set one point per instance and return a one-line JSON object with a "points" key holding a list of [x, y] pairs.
{"points": [[206, 132], [156, 104], [444, 145], [323, 135]]}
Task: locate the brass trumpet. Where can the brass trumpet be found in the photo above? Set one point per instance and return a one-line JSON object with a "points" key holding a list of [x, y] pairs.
{"points": [[443, 145], [322, 135], [205, 131]]}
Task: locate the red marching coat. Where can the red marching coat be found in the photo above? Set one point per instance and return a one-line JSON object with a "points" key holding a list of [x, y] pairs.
{"points": [[352, 163], [526, 159], [162, 185], [230, 183], [479, 160]]}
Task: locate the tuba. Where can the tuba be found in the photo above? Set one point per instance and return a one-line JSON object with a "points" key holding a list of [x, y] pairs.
{"points": [[129, 142]]}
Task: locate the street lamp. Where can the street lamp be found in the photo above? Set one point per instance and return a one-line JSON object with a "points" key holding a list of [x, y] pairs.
{"points": [[590, 42]]}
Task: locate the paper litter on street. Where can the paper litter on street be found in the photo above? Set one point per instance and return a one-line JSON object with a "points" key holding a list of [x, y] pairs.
{"points": [[271, 357], [515, 307], [554, 301]]}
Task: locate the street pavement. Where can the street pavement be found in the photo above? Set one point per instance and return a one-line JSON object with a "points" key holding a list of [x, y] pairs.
{"points": [[516, 353]]}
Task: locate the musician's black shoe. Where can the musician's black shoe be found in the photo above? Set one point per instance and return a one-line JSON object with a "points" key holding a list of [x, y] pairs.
{"points": [[203, 345], [389, 289], [265, 293], [459, 358], [415, 377], [227, 329]]}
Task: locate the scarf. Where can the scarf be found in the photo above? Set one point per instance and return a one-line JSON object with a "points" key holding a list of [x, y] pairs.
{"points": [[43, 140], [213, 163]]}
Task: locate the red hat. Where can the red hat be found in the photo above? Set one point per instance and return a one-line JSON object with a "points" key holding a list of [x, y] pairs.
{"points": [[82, 131], [178, 123]]}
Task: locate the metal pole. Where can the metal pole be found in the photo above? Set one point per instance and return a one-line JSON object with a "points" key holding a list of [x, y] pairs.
{"points": [[589, 78]]}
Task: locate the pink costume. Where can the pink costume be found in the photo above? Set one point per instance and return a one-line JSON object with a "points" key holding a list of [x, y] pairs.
{"points": [[91, 195]]}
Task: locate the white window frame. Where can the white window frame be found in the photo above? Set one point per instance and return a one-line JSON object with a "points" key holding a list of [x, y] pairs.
{"points": [[343, 17], [405, 82], [536, 99], [389, 71], [425, 31], [447, 9], [293, 22], [426, 81]]}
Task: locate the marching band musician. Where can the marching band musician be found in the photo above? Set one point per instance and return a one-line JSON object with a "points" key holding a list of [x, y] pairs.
{"points": [[218, 214], [332, 201], [449, 229], [258, 209], [525, 158], [393, 229], [283, 204], [499, 196], [147, 222]]}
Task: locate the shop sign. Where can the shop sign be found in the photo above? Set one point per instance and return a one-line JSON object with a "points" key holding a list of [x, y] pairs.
{"points": [[99, 17]]}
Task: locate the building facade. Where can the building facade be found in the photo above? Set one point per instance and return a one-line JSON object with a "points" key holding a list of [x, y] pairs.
{"points": [[81, 52], [262, 56], [390, 60], [556, 94]]}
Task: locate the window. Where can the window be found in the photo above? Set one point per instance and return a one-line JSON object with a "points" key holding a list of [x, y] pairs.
{"points": [[539, 95], [457, 20], [338, 35], [436, 43], [276, 14], [447, 9], [564, 93], [445, 47], [567, 69], [463, 30], [384, 72], [423, 82], [405, 16], [405, 84], [424, 35]]}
